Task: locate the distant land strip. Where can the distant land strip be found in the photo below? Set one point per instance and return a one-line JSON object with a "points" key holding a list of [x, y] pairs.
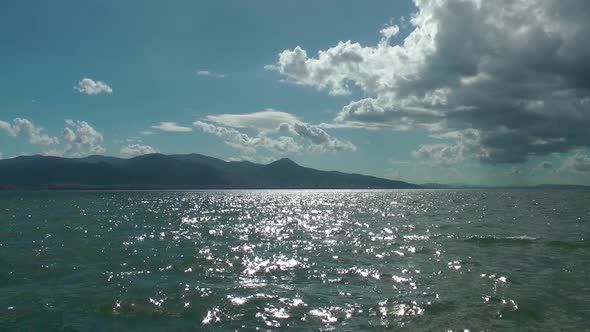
{"points": [[195, 171]]}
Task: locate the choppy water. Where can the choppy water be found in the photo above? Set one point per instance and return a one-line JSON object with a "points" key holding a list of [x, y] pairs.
{"points": [[304, 260]]}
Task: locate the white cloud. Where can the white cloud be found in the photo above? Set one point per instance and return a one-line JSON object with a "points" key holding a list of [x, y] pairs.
{"points": [[210, 74], [516, 72], [253, 159], [320, 140], [133, 150], [268, 119], [578, 163], [20, 154], [171, 127], [146, 132], [53, 153], [441, 154], [269, 123], [81, 138], [460, 145], [27, 129], [89, 86], [298, 68], [246, 143], [389, 32]]}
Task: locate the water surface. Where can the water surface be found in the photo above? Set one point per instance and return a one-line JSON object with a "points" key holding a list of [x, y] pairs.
{"points": [[302, 260]]}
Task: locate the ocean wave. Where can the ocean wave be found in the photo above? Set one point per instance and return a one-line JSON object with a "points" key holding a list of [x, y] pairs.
{"points": [[527, 240]]}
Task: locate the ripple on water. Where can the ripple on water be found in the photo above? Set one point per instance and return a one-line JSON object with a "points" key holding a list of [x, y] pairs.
{"points": [[306, 260]]}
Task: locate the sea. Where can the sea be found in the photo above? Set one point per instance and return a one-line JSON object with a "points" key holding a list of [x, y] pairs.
{"points": [[317, 260]]}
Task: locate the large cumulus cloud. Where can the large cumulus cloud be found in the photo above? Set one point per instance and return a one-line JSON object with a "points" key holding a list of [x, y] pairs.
{"points": [[510, 79], [81, 138]]}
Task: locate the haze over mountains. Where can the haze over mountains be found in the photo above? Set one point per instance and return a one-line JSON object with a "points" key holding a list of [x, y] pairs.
{"points": [[188, 171]]}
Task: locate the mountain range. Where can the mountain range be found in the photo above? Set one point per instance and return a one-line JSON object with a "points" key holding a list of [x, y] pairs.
{"points": [[179, 171]]}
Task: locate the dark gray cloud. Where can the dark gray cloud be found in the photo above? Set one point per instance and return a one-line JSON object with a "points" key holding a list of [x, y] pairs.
{"points": [[514, 75], [545, 165]]}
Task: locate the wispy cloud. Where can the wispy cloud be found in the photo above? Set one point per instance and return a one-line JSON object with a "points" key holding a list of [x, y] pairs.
{"points": [[268, 119], [208, 73], [170, 127], [401, 162], [53, 153], [133, 150]]}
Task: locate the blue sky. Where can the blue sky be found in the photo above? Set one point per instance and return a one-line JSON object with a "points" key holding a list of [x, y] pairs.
{"points": [[401, 100]]}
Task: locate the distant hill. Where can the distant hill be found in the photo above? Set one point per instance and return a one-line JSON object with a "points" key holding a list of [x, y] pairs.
{"points": [[189, 171], [474, 186]]}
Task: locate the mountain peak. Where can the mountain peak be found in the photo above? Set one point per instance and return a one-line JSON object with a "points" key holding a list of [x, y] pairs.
{"points": [[284, 162], [150, 156]]}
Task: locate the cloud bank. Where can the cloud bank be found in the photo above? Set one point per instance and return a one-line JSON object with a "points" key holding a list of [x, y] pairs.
{"points": [[246, 143], [320, 140], [276, 131], [508, 79]]}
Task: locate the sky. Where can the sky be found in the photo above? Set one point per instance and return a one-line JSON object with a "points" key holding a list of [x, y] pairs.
{"points": [[447, 91]]}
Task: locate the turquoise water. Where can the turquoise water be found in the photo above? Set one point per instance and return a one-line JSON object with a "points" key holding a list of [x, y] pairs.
{"points": [[302, 260]]}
